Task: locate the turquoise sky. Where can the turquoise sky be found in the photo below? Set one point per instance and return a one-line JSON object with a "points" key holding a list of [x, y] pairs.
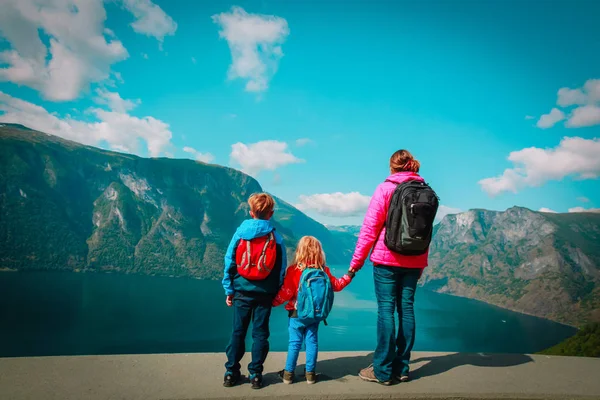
{"points": [[335, 86]]}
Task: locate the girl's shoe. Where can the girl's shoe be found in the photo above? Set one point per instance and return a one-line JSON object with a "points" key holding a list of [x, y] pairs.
{"points": [[311, 378], [287, 377]]}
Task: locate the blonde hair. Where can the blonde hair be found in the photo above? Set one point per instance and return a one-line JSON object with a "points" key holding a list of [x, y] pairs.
{"points": [[261, 204], [402, 160], [309, 253]]}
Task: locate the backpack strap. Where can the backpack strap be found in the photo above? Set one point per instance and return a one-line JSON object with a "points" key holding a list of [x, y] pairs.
{"points": [[262, 258], [248, 254]]}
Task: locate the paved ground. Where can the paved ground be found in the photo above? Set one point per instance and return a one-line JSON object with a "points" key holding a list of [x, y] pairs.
{"points": [[199, 376]]}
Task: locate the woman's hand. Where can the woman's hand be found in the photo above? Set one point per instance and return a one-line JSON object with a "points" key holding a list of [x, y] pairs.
{"points": [[229, 301]]}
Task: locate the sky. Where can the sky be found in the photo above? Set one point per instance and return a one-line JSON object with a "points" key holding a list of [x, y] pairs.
{"points": [[498, 100]]}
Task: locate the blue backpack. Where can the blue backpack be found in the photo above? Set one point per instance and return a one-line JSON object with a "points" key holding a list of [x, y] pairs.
{"points": [[315, 296]]}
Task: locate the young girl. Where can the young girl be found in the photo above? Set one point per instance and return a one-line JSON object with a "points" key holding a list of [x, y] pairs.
{"points": [[309, 254]]}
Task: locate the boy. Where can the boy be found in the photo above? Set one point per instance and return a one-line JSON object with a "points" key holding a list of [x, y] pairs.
{"points": [[255, 265]]}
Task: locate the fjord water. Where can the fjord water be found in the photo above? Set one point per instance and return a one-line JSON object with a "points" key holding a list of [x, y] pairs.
{"points": [[55, 313]]}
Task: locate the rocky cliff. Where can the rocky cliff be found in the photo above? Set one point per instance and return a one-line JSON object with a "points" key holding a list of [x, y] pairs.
{"points": [[538, 263]]}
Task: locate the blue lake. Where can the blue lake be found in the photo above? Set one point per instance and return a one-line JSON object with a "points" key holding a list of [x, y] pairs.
{"points": [[55, 313]]}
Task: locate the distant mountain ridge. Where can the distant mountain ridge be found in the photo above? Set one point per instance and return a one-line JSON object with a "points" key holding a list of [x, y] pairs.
{"points": [[66, 206], [538, 263]]}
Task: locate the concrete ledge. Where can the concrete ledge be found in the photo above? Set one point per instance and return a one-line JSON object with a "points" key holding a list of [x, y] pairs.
{"points": [[200, 376]]}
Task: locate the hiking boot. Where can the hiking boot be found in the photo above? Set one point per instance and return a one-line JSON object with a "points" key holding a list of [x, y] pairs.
{"points": [[231, 378], [368, 374], [311, 378], [256, 380], [287, 377], [401, 377]]}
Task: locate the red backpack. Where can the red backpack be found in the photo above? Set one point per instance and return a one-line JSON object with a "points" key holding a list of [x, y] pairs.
{"points": [[256, 258]]}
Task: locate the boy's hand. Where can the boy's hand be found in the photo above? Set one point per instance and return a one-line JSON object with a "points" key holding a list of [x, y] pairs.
{"points": [[229, 301], [351, 273]]}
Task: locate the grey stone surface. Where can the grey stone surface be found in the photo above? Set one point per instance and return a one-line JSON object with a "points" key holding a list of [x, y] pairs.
{"points": [[200, 376]]}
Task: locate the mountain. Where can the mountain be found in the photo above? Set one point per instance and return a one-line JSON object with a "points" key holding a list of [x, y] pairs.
{"points": [[65, 206], [353, 230], [537, 263]]}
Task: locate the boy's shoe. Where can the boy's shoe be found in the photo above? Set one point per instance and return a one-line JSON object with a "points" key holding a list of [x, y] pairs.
{"points": [[311, 378], [256, 380], [287, 377], [368, 374], [231, 379]]}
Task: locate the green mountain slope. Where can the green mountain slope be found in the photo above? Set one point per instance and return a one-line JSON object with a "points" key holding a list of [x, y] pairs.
{"points": [[585, 343], [537, 263], [65, 206]]}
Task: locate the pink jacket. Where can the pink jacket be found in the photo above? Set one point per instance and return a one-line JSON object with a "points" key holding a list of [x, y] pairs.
{"points": [[372, 232]]}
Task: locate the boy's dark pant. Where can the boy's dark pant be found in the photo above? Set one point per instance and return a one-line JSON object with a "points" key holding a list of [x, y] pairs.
{"points": [[256, 308]]}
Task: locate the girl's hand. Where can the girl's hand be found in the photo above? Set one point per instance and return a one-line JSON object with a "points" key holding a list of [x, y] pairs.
{"points": [[229, 301]]}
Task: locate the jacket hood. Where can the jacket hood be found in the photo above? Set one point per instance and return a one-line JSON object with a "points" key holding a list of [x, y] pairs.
{"points": [[400, 177], [253, 228]]}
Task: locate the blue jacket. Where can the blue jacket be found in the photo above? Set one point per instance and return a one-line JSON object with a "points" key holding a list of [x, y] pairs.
{"points": [[233, 282]]}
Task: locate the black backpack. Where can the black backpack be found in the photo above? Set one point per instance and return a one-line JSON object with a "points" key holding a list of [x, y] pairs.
{"points": [[410, 218]]}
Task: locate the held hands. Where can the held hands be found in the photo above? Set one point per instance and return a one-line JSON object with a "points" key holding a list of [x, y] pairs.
{"points": [[229, 301], [351, 273]]}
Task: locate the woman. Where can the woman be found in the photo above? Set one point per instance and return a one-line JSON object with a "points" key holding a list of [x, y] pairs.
{"points": [[395, 278]]}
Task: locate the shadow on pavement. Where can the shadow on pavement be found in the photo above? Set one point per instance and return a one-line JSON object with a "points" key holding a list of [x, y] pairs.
{"points": [[340, 369], [328, 370], [439, 364]]}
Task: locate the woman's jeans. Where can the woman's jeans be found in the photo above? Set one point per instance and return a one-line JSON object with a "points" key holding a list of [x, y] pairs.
{"points": [[300, 333], [395, 289]]}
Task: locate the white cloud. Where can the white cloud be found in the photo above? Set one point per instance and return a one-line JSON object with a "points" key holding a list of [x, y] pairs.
{"points": [[534, 166], [151, 19], [145, 56], [445, 210], [529, 117], [80, 49], [569, 97], [203, 157], [303, 142], [581, 210], [255, 44], [194, 60], [549, 120], [588, 115], [120, 130], [114, 101], [583, 199], [335, 204], [266, 155], [587, 112], [547, 210]]}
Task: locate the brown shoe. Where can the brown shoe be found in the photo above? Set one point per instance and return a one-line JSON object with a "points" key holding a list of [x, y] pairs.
{"points": [[368, 374], [311, 378], [287, 377]]}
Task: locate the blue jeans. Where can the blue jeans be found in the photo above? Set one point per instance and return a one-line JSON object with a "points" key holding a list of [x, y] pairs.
{"points": [[300, 333], [248, 308], [395, 289]]}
